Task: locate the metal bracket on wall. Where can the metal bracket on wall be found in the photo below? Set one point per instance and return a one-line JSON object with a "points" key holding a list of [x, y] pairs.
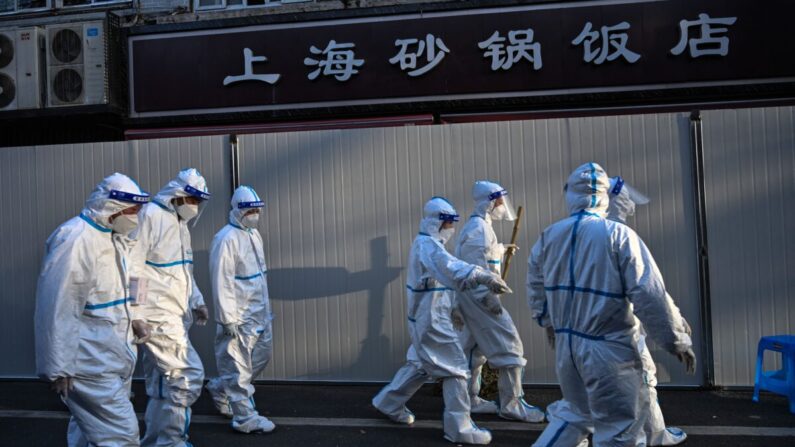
{"points": [[697, 150]]}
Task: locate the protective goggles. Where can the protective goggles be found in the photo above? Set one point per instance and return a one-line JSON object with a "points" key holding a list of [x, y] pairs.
{"points": [[257, 204], [445, 217], [196, 193], [129, 197]]}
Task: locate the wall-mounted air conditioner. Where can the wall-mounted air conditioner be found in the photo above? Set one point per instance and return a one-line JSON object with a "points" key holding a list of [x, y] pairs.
{"points": [[77, 64], [21, 68]]}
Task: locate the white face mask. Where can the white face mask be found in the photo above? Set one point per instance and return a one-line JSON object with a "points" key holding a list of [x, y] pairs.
{"points": [[187, 211], [498, 212], [125, 223], [446, 234], [250, 220]]}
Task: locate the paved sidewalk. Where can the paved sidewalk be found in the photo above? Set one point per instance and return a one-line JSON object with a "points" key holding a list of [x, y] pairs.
{"points": [[341, 415]]}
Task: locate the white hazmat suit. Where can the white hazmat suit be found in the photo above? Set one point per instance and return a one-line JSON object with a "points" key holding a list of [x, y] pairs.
{"points": [[164, 259], [586, 276], [623, 200], [244, 338], [435, 353], [490, 333], [83, 317]]}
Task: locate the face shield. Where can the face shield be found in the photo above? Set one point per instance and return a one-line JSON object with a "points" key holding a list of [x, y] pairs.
{"points": [[126, 220], [128, 197], [623, 200], [447, 233], [636, 196], [203, 198], [250, 219], [447, 217], [502, 208]]}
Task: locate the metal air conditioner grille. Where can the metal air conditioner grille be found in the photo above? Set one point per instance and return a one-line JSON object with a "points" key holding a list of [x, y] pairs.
{"points": [[8, 90], [6, 50], [67, 85], [66, 46]]}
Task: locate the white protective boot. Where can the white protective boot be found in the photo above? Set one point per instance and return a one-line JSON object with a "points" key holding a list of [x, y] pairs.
{"points": [[166, 424], [391, 400], [566, 427], [220, 399], [247, 420], [669, 436], [512, 404], [478, 404], [657, 433], [458, 425]]}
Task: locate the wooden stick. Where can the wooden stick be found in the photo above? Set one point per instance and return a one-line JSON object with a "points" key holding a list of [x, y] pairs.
{"points": [[509, 255]]}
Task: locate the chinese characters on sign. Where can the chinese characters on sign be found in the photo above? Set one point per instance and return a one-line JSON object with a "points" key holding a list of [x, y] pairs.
{"points": [[433, 48], [248, 70], [339, 61], [704, 45], [705, 36], [613, 44], [520, 46]]}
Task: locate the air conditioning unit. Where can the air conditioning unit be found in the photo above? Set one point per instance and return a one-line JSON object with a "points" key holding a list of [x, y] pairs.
{"points": [[77, 64], [21, 68]]}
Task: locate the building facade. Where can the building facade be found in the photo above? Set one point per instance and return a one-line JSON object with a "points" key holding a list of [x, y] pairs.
{"points": [[347, 115]]}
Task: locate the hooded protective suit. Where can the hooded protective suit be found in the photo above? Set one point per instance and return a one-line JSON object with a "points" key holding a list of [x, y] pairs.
{"points": [[83, 317], [485, 332], [164, 258], [435, 353], [244, 339], [586, 277], [623, 200]]}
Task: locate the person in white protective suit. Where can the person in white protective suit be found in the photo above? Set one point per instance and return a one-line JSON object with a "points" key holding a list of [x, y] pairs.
{"points": [[623, 199], [244, 338], [586, 277], [489, 333], [164, 266], [85, 326], [433, 274]]}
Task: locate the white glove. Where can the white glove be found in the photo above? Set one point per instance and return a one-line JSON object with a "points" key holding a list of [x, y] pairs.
{"points": [[230, 329], [510, 248], [458, 319], [688, 331], [551, 337], [497, 285], [689, 359], [488, 279], [491, 303]]}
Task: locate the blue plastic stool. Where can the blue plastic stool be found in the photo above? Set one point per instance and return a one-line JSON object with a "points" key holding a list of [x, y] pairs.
{"points": [[781, 381]]}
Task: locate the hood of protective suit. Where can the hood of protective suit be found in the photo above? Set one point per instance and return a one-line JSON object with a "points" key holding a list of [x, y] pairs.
{"points": [[244, 199], [623, 199], [586, 189], [114, 193], [189, 182], [485, 193], [435, 212]]}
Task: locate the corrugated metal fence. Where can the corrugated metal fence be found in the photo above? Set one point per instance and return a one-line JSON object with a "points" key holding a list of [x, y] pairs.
{"points": [[343, 207], [749, 160]]}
